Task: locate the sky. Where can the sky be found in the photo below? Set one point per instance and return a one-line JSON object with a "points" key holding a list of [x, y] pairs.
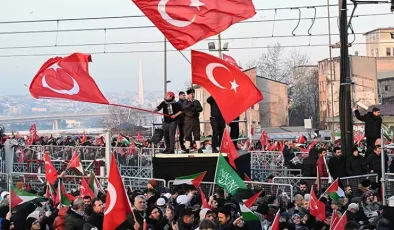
{"points": [[119, 72]]}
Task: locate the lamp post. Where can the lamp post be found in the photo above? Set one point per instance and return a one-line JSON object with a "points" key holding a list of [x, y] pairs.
{"points": [[165, 67]]}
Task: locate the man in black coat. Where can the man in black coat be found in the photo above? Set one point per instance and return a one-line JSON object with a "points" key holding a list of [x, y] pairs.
{"points": [[192, 109], [181, 121], [355, 164], [218, 124], [373, 125], [374, 161], [337, 164], [97, 217]]}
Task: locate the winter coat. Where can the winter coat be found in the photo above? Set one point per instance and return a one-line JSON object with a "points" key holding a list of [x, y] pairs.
{"points": [[96, 219], [373, 124], [355, 165], [309, 164], [322, 167], [192, 109], [184, 226], [288, 154], [58, 224], [73, 221], [371, 211], [336, 166], [374, 162]]}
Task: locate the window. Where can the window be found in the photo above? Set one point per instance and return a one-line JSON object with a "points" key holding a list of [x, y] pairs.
{"points": [[388, 51], [377, 52], [386, 88], [372, 52]]}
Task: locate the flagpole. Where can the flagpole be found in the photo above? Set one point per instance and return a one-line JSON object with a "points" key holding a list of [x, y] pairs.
{"points": [[165, 66], [383, 162]]}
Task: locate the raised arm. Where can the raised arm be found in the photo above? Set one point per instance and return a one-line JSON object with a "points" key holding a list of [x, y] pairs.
{"points": [[358, 115]]}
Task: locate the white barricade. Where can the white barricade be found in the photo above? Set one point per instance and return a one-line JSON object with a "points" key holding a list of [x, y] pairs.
{"points": [[351, 181]]}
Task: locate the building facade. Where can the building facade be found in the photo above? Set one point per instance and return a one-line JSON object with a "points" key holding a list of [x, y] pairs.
{"points": [[363, 73], [272, 111], [379, 42]]}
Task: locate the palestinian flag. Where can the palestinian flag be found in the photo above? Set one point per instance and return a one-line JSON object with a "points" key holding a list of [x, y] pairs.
{"points": [[123, 140], [94, 184], [62, 196], [334, 191], [19, 197], [251, 220], [75, 164], [194, 179], [50, 192]]}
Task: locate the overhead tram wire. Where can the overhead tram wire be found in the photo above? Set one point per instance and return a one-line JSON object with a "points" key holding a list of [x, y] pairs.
{"points": [[174, 50], [143, 16], [160, 42], [152, 26]]}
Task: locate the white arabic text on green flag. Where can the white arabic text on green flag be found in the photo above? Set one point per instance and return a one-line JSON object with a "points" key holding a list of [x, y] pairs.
{"points": [[226, 177]]}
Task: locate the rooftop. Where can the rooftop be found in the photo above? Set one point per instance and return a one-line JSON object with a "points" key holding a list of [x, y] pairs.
{"points": [[385, 110], [378, 29]]}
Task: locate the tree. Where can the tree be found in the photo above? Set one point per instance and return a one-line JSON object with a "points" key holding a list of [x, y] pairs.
{"points": [[120, 120], [294, 69]]}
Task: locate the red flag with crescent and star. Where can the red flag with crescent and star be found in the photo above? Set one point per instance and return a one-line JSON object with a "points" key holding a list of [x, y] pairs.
{"points": [[67, 78], [228, 147], [232, 90], [50, 170], [316, 207], [118, 203], [186, 22]]}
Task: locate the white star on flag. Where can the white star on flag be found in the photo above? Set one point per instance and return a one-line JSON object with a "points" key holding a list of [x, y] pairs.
{"points": [[234, 85]]}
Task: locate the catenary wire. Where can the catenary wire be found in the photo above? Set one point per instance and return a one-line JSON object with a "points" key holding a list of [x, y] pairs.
{"points": [[152, 26], [143, 16], [174, 50], [160, 42]]}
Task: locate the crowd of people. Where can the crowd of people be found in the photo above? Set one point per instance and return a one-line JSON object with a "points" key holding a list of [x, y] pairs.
{"points": [[184, 208]]}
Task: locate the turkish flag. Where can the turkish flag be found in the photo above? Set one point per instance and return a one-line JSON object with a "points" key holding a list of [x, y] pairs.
{"points": [[50, 170], [230, 60], [232, 90], [85, 190], [186, 22], [229, 148], [67, 78], [117, 203], [316, 207]]}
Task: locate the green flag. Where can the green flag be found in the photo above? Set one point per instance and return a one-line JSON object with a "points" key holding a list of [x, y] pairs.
{"points": [[226, 177]]}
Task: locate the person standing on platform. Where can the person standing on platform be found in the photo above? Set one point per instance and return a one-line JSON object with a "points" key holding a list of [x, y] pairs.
{"points": [[373, 126], [172, 110], [218, 124], [234, 131], [192, 109], [181, 121]]}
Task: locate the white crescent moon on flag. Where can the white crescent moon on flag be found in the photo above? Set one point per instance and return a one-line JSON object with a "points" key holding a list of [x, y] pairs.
{"points": [[209, 71], [161, 7], [74, 90], [113, 196]]}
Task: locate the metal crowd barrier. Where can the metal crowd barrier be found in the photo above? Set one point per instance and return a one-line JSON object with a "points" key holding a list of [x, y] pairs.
{"points": [[263, 162], [352, 181], [389, 185], [209, 188], [4, 182], [37, 181]]}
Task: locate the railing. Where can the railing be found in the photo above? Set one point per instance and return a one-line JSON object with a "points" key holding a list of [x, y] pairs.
{"points": [[352, 181], [37, 181], [277, 189], [389, 185]]}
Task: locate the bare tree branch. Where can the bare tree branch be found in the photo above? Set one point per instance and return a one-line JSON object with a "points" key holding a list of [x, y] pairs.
{"points": [[120, 120]]}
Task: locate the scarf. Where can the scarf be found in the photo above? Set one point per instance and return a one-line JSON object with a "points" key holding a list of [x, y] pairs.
{"points": [[169, 106]]}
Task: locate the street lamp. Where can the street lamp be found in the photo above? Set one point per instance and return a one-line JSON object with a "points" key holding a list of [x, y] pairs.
{"points": [[168, 81], [212, 46]]}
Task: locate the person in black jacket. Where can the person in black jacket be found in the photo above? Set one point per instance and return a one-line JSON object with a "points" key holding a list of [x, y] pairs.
{"points": [[172, 111], [75, 218], [355, 164], [288, 154], [192, 109], [373, 125], [337, 164], [181, 121], [309, 165], [218, 124], [374, 162], [234, 131], [97, 217]]}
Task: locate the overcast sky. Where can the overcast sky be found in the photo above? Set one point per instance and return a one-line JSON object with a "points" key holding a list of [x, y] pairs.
{"points": [[119, 72]]}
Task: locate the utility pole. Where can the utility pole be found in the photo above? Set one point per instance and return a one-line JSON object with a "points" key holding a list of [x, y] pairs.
{"points": [[345, 105], [165, 66], [332, 72]]}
